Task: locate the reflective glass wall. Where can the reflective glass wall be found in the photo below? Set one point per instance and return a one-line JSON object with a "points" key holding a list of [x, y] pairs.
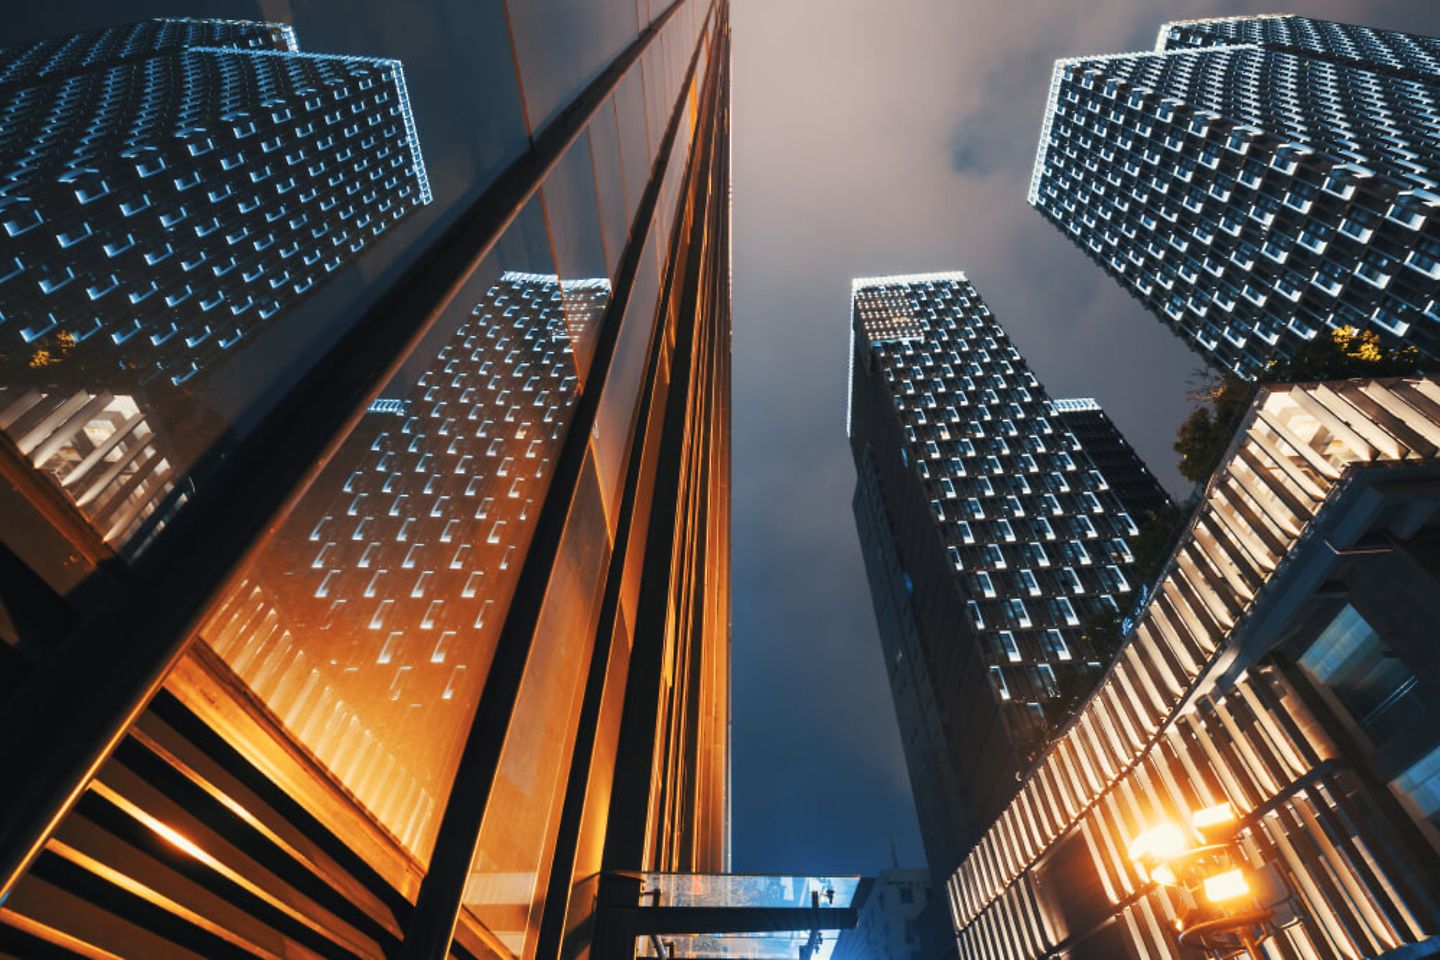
{"points": [[364, 427]]}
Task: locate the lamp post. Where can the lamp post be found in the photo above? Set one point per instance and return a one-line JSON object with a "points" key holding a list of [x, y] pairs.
{"points": [[1217, 890]]}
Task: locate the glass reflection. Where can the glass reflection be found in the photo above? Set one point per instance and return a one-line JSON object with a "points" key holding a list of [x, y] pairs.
{"points": [[368, 624], [167, 189], [573, 213]]}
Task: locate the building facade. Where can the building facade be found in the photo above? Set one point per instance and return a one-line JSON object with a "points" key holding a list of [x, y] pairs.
{"points": [[1132, 482], [433, 647], [889, 927], [172, 186], [1276, 685], [1255, 181], [989, 540]]}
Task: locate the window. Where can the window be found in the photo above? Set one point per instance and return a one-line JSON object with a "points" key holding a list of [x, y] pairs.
{"points": [[998, 678], [1361, 671], [1011, 648], [984, 584], [1055, 641], [1065, 612], [1029, 583]]}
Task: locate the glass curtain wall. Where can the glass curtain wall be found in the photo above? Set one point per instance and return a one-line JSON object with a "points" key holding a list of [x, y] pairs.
{"points": [[359, 386]]}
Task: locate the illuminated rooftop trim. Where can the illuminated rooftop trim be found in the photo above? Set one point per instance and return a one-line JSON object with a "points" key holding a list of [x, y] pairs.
{"points": [[1052, 100], [407, 114], [1296, 445], [862, 283], [392, 405], [1166, 27], [1076, 405], [585, 283]]}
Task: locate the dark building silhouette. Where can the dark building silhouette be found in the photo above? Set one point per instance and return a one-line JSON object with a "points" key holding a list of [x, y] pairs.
{"points": [[1256, 182], [989, 538], [1131, 481]]}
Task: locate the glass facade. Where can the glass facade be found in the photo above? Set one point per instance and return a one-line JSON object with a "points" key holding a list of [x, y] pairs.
{"points": [[1132, 482], [990, 540], [1255, 181], [369, 443]]}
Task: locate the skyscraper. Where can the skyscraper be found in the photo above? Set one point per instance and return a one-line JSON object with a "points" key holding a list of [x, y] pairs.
{"points": [[989, 539], [169, 187], [1131, 481], [1256, 181], [430, 655]]}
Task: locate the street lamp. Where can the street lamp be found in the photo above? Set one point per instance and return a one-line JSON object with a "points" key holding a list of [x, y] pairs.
{"points": [[1217, 891]]}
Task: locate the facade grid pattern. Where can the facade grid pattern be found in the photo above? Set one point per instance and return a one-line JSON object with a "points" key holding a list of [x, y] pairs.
{"points": [[1031, 529], [162, 205], [1256, 193]]}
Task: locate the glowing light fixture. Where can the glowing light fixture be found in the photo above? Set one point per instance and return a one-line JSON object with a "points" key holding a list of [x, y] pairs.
{"points": [[1157, 844], [1212, 817], [1226, 886], [1164, 875]]}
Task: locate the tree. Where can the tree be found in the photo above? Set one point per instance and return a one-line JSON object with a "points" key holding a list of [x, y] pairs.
{"points": [[1205, 434]]}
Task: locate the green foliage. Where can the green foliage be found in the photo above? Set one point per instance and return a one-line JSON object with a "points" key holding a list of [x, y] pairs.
{"points": [[1152, 545], [1205, 434]]}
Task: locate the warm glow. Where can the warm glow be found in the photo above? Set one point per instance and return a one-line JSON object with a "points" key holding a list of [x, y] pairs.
{"points": [[1164, 841], [178, 839], [1213, 816], [1226, 886], [1164, 875]]}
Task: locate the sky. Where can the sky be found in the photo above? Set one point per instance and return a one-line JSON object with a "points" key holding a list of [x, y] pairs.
{"points": [[876, 137]]}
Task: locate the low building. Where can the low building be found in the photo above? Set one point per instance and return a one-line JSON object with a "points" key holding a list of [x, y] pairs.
{"points": [[1282, 671]]}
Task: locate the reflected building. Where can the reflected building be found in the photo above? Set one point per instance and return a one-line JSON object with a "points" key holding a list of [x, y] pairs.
{"points": [[460, 688], [1276, 701], [990, 540], [399, 562], [169, 187], [1256, 181], [103, 454]]}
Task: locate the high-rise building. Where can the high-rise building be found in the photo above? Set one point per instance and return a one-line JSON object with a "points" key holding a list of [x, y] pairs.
{"points": [[1132, 482], [1256, 181], [1259, 773], [989, 540], [889, 927], [429, 656], [169, 187]]}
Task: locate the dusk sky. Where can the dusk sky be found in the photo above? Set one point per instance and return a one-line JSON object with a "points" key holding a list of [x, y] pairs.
{"points": [[876, 138]]}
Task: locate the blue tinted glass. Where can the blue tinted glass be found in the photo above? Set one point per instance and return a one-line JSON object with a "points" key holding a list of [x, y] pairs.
{"points": [[571, 209], [616, 212], [564, 44], [185, 265], [636, 148]]}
